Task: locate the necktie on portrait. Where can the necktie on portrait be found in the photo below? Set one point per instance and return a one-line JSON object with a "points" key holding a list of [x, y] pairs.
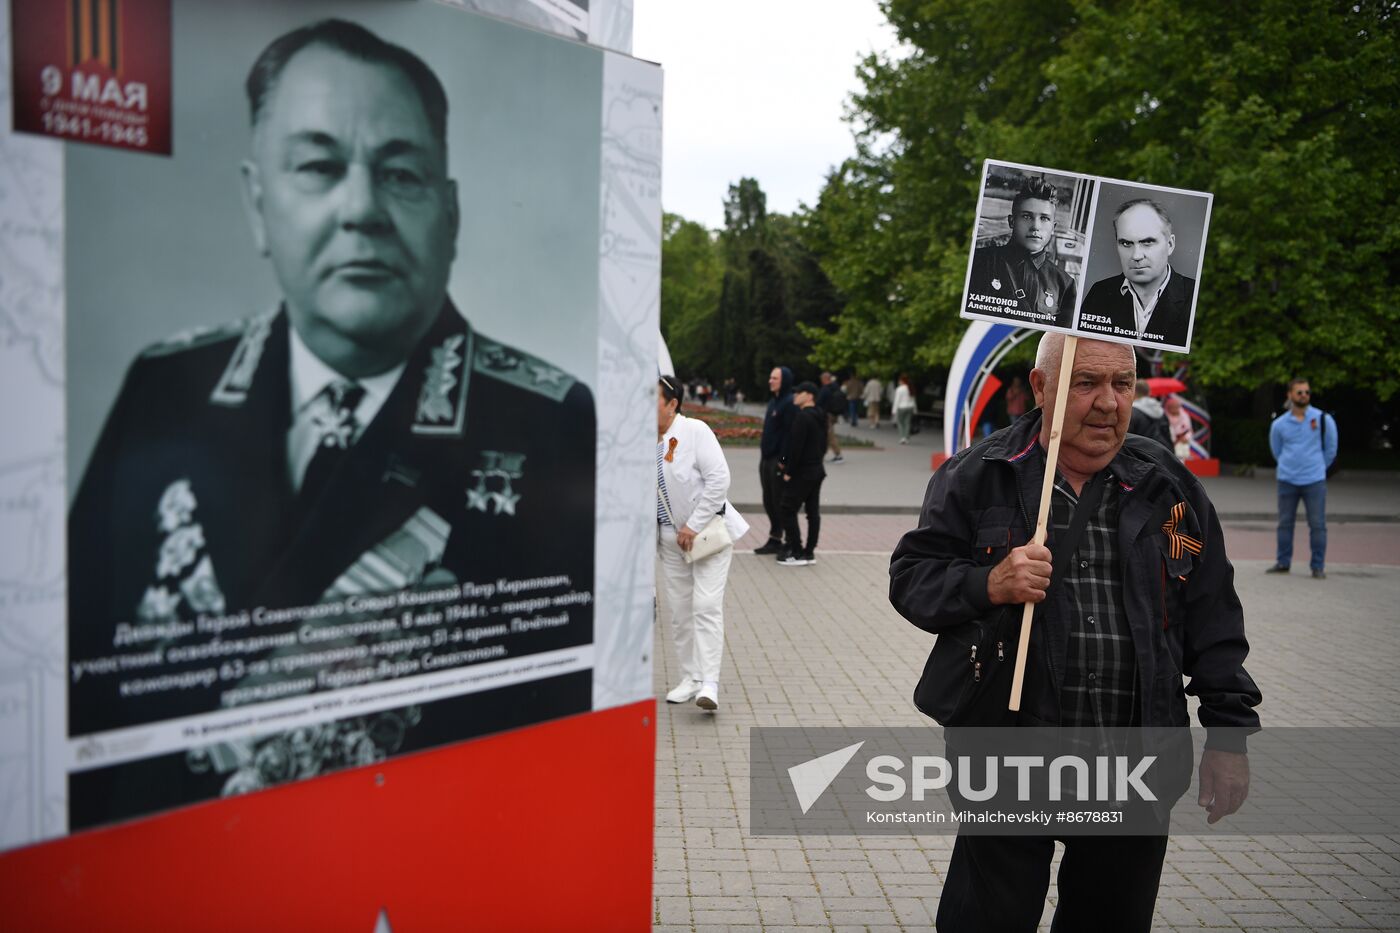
{"points": [[336, 429]]}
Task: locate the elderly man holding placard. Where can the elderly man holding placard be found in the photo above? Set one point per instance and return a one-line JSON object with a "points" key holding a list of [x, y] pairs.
{"points": [[1131, 593]]}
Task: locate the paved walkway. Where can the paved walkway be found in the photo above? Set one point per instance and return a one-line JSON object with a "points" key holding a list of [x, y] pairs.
{"points": [[821, 646]]}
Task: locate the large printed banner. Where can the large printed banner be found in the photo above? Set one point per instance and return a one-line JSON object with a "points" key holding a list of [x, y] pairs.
{"points": [[1085, 255], [352, 384], [605, 23]]}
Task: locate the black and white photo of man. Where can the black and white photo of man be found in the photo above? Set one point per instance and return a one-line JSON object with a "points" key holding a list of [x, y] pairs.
{"points": [[1145, 258], [294, 471]]}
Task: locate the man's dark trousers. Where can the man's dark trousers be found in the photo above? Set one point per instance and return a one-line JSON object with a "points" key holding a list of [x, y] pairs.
{"points": [[771, 482], [997, 884], [806, 494]]}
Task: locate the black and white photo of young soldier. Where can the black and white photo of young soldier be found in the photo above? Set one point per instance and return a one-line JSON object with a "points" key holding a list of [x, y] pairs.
{"points": [[1150, 296], [361, 438], [1023, 279]]}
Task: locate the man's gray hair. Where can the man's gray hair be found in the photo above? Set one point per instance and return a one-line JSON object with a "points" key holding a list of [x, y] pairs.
{"points": [[1051, 351], [1136, 202], [357, 42]]}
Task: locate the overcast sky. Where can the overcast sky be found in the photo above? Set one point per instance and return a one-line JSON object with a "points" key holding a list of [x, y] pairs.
{"points": [[754, 88]]}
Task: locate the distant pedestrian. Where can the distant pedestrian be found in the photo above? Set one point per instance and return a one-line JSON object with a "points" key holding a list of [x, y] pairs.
{"points": [[832, 402], [855, 389], [904, 408], [1304, 442], [1149, 420], [1018, 397], [802, 477], [1180, 423], [777, 420], [692, 485], [872, 395], [731, 391]]}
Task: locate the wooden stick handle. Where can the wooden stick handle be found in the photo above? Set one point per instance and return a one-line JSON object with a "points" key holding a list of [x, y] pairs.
{"points": [[1047, 489]]}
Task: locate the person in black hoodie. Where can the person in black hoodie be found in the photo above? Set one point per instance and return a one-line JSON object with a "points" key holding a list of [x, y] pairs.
{"points": [[1149, 419], [802, 476], [777, 420]]}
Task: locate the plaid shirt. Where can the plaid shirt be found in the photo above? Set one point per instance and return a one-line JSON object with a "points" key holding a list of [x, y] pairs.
{"points": [[1100, 687]]}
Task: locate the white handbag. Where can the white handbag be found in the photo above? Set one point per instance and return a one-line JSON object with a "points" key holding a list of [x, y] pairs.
{"points": [[712, 539]]}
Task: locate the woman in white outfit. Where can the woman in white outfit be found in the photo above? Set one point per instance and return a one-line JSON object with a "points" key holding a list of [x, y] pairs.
{"points": [[692, 478], [904, 408]]}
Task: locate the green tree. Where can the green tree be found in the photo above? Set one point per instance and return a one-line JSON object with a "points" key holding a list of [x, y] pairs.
{"points": [[1285, 109], [741, 301], [692, 272]]}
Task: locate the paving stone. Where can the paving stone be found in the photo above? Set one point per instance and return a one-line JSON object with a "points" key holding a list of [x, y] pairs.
{"points": [[822, 646]]}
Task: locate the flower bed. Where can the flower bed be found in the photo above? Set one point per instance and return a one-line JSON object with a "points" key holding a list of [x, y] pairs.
{"points": [[736, 430], [729, 426]]}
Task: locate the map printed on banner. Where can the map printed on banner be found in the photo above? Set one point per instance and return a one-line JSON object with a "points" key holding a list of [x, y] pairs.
{"points": [[604, 23], [94, 71], [32, 530], [629, 292]]}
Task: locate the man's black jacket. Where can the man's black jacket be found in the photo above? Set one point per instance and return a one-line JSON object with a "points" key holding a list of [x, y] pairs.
{"points": [[806, 444], [1185, 617], [777, 419]]}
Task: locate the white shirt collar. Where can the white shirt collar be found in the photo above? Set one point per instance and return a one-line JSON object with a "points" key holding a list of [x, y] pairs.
{"points": [[1143, 313], [310, 376]]}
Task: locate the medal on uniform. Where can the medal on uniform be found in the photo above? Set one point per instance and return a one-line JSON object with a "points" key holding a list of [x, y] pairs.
{"points": [[493, 493], [1049, 300], [996, 285]]}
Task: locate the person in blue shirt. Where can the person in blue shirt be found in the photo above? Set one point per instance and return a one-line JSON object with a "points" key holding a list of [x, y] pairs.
{"points": [[1304, 442]]}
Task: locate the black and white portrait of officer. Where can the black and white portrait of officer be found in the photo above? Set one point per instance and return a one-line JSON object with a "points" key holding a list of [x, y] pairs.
{"points": [[359, 437]]}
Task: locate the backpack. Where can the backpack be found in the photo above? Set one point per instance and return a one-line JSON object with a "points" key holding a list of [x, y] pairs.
{"points": [[1322, 439]]}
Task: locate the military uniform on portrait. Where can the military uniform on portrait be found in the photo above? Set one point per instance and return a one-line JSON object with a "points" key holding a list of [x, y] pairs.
{"points": [[186, 508], [1036, 282]]}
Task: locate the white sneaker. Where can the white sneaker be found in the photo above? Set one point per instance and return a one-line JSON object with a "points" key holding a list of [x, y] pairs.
{"points": [[709, 697], [684, 692]]}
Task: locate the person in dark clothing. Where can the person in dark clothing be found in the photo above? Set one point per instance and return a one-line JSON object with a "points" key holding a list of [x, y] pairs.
{"points": [[1144, 614], [802, 477], [776, 422], [831, 400], [1149, 419]]}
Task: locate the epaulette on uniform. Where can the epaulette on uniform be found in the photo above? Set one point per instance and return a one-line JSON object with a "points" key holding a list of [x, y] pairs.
{"points": [[196, 337], [520, 369]]}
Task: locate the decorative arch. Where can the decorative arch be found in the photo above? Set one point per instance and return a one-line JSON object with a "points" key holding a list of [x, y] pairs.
{"points": [[972, 382]]}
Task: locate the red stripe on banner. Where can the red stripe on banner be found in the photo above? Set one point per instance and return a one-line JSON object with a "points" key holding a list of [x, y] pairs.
{"points": [[545, 828], [989, 388]]}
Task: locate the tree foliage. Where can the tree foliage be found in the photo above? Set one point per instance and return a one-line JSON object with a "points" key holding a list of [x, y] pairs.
{"points": [[731, 304], [1285, 109], [691, 274]]}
